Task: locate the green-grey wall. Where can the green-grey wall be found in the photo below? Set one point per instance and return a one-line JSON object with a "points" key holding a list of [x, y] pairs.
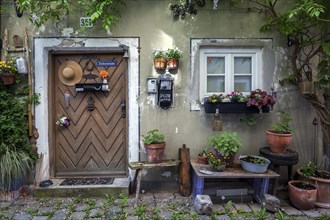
{"points": [[153, 23]]}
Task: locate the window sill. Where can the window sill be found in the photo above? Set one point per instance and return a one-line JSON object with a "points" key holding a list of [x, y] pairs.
{"points": [[233, 107]]}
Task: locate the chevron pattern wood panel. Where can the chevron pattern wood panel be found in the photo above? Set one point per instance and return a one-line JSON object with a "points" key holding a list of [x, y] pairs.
{"points": [[95, 142]]}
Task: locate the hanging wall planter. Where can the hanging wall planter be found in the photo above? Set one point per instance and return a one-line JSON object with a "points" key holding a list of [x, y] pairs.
{"points": [[159, 63], [172, 64], [8, 78]]}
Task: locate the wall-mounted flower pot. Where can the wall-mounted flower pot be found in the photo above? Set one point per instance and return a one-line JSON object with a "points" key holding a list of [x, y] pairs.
{"points": [[8, 78], [159, 63], [172, 64], [233, 107]]}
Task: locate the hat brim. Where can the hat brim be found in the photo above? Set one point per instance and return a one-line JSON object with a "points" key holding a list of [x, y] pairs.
{"points": [[77, 73]]}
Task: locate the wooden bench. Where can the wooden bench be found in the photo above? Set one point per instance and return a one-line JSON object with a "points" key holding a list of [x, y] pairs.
{"points": [[139, 166], [259, 182]]}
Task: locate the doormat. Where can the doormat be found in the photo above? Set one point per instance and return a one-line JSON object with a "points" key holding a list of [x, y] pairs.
{"points": [[87, 181]]}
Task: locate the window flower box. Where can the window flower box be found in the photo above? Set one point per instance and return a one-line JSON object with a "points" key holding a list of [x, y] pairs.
{"points": [[233, 107]]}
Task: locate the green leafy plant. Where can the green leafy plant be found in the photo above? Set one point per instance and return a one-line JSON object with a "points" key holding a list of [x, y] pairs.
{"points": [[214, 98], [226, 144], [236, 96], [283, 126], [310, 169], [175, 53], [13, 164], [159, 54], [215, 161], [153, 137]]}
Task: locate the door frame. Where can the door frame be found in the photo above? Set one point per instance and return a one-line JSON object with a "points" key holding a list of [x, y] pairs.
{"points": [[43, 48], [52, 93]]}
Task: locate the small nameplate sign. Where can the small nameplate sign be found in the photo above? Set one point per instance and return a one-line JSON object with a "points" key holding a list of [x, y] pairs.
{"points": [[106, 63]]}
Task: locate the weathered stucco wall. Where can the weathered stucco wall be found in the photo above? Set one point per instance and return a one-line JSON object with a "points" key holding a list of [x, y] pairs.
{"points": [[152, 22]]}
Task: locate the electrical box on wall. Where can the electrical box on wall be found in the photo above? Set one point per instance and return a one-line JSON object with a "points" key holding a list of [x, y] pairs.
{"points": [[151, 85]]}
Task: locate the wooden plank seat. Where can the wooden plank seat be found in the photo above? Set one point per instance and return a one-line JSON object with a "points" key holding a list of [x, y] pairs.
{"points": [[139, 166], [259, 181]]}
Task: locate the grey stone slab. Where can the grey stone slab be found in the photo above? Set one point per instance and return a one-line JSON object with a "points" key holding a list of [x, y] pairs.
{"points": [[5, 204], [203, 204], [114, 210], [311, 213], [60, 214], [218, 208], [81, 207], [99, 203], [204, 217], [132, 218], [165, 214], [22, 216], [96, 213], [323, 211], [43, 211], [254, 206], [40, 218], [243, 207], [291, 211], [222, 217], [77, 215]]}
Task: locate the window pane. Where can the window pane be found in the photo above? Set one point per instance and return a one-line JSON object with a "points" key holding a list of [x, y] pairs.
{"points": [[242, 65], [215, 84], [242, 83], [215, 65]]}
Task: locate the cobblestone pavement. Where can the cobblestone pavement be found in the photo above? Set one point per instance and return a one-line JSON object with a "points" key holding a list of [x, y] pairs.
{"points": [[162, 205]]}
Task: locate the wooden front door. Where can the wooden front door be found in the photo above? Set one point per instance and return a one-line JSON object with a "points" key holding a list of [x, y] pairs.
{"points": [[94, 144]]}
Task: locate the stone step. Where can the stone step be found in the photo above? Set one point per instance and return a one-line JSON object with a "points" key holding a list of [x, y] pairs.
{"points": [[119, 185]]}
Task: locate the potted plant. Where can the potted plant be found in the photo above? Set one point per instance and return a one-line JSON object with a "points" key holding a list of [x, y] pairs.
{"points": [[279, 138], [154, 144], [226, 145], [217, 163], [14, 164], [302, 194], [8, 71], [173, 56], [261, 100], [202, 157], [254, 164], [159, 59], [321, 178]]}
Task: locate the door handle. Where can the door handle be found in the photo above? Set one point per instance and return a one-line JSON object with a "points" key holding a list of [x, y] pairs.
{"points": [[123, 108]]}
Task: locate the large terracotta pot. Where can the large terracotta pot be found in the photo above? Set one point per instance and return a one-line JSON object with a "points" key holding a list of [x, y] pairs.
{"points": [[302, 198], [155, 152], [323, 190], [278, 143]]}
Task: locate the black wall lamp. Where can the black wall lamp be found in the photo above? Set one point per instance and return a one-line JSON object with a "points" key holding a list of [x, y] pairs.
{"points": [[18, 12]]}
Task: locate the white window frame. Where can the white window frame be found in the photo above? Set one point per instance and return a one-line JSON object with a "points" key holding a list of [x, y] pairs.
{"points": [[229, 54]]}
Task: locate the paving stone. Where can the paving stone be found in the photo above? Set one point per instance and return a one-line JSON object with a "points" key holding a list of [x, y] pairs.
{"points": [[203, 204], [40, 218], [77, 215], [222, 217], [132, 218], [204, 217], [5, 204], [99, 203], [311, 213], [81, 207], [45, 210], [21, 216], [324, 211], [284, 202], [270, 203], [165, 214], [243, 207], [60, 214], [218, 208], [114, 210], [96, 212], [289, 210], [255, 206]]}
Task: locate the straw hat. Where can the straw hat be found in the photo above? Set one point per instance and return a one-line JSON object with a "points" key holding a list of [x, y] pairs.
{"points": [[70, 73]]}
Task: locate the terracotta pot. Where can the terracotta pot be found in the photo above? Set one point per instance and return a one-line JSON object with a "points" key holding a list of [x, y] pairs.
{"points": [[302, 198], [323, 190], [155, 152], [172, 64], [202, 159], [159, 63], [278, 143], [8, 78]]}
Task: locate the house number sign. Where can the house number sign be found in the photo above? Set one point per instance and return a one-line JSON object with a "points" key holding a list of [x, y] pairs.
{"points": [[85, 22], [107, 63]]}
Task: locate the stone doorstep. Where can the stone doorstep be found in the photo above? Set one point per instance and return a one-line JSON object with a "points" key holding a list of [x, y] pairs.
{"points": [[119, 185]]}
